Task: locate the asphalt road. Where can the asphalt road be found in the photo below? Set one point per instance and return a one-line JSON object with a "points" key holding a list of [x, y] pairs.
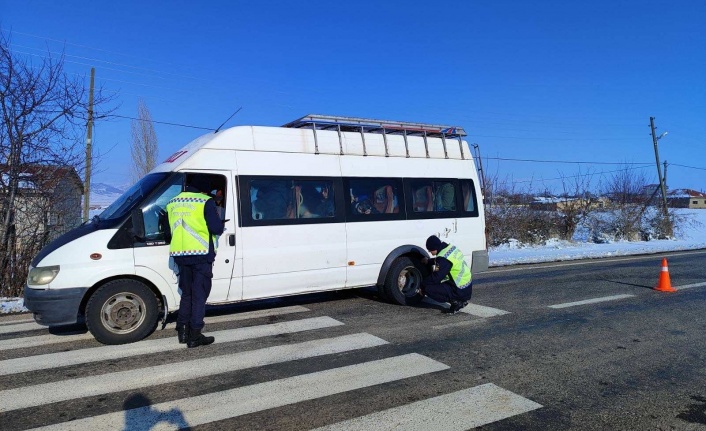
{"points": [[583, 345]]}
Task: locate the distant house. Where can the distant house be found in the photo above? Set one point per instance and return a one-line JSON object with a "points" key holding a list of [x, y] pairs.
{"points": [[686, 198], [553, 203], [48, 201]]}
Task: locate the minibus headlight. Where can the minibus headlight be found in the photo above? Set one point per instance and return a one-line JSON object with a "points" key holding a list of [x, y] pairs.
{"points": [[42, 275]]}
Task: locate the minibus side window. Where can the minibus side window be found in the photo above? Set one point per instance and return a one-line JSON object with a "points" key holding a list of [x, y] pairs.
{"points": [[289, 199], [374, 196], [313, 199], [444, 196], [468, 192], [270, 199], [154, 211], [433, 196]]}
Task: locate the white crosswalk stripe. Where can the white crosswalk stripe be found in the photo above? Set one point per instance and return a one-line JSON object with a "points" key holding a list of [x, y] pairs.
{"points": [[62, 359], [41, 340], [236, 402], [30, 396], [15, 321], [458, 410], [20, 327], [472, 309]]}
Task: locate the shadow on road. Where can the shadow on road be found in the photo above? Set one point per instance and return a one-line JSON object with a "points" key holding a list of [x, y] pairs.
{"points": [[140, 416]]}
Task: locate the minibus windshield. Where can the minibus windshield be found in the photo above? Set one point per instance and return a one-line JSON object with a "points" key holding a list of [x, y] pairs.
{"points": [[133, 195]]}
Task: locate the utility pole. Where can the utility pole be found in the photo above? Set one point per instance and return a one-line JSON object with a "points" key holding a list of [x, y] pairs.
{"points": [[666, 186], [659, 174], [89, 150]]}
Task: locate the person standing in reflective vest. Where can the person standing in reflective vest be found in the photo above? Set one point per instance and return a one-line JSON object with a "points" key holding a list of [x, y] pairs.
{"points": [[195, 227], [449, 278]]}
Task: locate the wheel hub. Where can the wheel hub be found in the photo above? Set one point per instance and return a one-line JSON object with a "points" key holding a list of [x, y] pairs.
{"points": [[123, 312], [409, 281]]}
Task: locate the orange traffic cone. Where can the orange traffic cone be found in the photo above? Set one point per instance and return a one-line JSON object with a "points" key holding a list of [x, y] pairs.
{"points": [[664, 285]]}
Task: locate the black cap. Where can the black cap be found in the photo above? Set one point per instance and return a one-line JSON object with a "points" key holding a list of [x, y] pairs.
{"points": [[433, 243], [200, 183]]}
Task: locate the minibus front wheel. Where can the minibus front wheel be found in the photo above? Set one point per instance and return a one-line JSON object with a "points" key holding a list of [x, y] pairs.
{"points": [[122, 311], [403, 284]]}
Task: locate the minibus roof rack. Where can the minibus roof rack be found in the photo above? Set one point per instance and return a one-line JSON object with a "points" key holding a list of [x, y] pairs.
{"points": [[353, 124]]}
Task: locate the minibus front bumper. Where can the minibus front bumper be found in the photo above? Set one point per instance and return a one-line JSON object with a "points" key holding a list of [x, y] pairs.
{"points": [[54, 307]]}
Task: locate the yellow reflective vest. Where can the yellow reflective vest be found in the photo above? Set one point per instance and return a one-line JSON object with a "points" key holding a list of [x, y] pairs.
{"points": [[460, 272], [190, 235]]}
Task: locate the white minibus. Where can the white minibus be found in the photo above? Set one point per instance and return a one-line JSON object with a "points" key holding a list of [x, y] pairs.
{"points": [[321, 203]]}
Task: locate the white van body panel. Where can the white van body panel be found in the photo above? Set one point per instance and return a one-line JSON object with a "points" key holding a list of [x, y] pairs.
{"points": [[77, 269], [166, 287], [285, 260]]}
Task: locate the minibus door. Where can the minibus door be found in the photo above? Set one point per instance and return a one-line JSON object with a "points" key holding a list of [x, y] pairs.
{"points": [[153, 253], [224, 195]]}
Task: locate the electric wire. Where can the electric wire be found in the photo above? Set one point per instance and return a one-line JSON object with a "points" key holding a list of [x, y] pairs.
{"points": [[565, 161], [160, 122]]}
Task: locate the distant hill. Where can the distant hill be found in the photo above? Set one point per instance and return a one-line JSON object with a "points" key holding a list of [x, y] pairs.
{"points": [[103, 194]]}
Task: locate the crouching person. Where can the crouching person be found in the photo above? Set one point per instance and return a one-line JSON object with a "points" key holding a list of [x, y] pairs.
{"points": [[195, 227], [449, 278]]}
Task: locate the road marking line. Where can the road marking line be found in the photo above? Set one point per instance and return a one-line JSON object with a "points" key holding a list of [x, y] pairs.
{"points": [[20, 327], [203, 409], [689, 286], [472, 309], [37, 395], [591, 301], [457, 411], [40, 340], [482, 311], [16, 321], [84, 356]]}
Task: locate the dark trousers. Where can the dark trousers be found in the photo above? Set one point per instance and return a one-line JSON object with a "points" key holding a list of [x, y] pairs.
{"points": [[447, 292], [195, 285]]}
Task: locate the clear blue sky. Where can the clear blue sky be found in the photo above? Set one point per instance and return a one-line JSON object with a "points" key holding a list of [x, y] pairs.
{"points": [[541, 80]]}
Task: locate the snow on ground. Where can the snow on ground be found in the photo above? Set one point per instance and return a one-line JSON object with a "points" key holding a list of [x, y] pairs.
{"points": [[12, 305], [692, 236]]}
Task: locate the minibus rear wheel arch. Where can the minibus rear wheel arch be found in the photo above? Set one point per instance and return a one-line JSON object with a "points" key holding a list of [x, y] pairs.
{"points": [[122, 310]]}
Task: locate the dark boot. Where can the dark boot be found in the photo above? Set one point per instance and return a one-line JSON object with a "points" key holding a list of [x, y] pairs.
{"points": [[182, 333], [456, 306], [198, 339]]}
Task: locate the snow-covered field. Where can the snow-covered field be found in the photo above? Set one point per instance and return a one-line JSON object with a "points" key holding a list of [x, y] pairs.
{"points": [[692, 236]]}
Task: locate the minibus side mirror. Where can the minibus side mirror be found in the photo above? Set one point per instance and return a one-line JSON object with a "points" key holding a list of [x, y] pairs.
{"points": [[138, 224]]}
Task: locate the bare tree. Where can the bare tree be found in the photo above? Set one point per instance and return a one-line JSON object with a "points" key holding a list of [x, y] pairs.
{"points": [[575, 203], [43, 112], [144, 146]]}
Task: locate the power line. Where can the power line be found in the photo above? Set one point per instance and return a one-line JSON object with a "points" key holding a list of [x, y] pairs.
{"points": [[115, 70], [152, 74], [549, 139], [689, 167], [563, 161], [568, 176], [82, 46], [161, 122]]}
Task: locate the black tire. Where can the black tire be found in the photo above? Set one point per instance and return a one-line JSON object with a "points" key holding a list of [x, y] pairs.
{"points": [[403, 283], [121, 312]]}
